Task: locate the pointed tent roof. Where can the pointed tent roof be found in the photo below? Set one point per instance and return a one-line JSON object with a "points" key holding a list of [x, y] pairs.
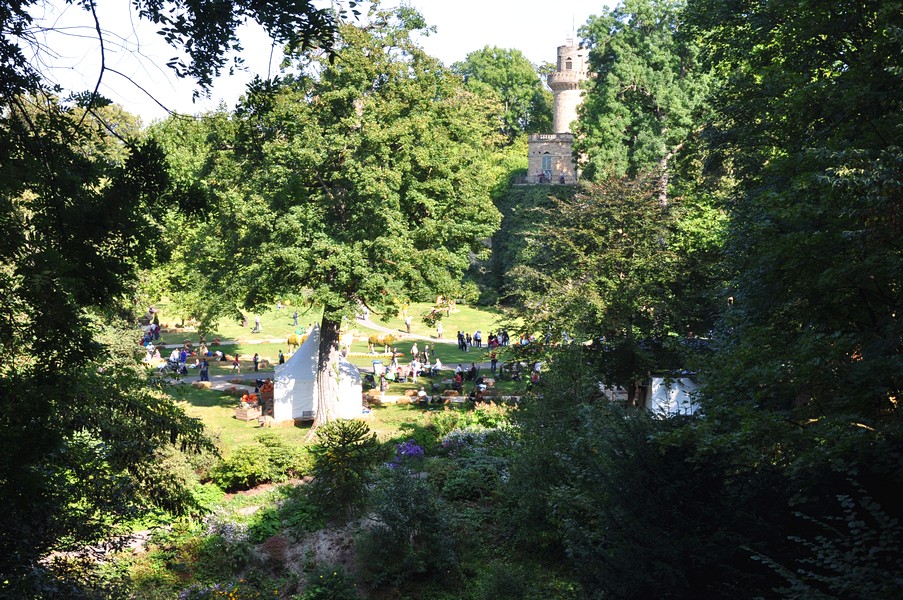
{"points": [[302, 365]]}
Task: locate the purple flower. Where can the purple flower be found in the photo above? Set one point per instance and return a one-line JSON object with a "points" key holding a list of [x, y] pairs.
{"points": [[409, 448]]}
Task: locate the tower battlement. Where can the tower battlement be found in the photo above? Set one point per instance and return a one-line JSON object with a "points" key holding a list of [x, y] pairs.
{"points": [[565, 83]]}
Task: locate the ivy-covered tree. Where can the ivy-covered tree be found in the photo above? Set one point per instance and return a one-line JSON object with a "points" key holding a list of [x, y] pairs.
{"points": [[507, 73]]}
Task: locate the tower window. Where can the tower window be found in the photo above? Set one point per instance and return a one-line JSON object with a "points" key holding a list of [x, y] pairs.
{"points": [[568, 65]]}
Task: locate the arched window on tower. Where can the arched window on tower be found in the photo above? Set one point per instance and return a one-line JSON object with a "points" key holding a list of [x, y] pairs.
{"points": [[568, 64]]}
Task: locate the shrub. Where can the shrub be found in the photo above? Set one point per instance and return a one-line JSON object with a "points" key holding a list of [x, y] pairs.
{"points": [[344, 455], [423, 435], [484, 414], [269, 459], [293, 514], [410, 538], [476, 477], [329, 583], [469, 293]]}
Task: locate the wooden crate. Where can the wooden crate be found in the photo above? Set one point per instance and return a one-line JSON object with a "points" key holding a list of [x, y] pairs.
{"points": [[247, 414]]}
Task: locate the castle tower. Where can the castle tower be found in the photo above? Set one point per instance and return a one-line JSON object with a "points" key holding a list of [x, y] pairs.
{"points": [[550, 155], [565, 84]]}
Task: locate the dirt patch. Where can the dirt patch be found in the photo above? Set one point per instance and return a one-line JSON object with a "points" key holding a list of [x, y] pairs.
{"points": [[333, 545]]}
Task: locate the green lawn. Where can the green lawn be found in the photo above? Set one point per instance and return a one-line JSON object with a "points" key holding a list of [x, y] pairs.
{"points": [[464, 318], [274, 324], [217, 411], [278, 323]]}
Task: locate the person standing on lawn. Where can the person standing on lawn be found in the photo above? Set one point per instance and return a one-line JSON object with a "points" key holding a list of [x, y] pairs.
{"points": [[236, 365], [256, 362]]}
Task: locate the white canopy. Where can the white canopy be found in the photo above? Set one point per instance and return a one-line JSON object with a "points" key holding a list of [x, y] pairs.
{"points": [[295, 385], [671, 397]]}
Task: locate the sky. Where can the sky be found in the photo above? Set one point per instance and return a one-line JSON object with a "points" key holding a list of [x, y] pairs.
{"points": [[71, 52]]}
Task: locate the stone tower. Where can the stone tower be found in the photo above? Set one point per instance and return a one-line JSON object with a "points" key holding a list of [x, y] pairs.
{"points": [[550, 158], [565, 84]]}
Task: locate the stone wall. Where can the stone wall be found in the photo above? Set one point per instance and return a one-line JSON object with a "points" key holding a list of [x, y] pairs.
{"points": [[559, 149]]}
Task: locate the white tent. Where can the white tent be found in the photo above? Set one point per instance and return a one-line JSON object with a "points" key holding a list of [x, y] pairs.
{"points": [[295, 385], [350, 404], [671, 397]]}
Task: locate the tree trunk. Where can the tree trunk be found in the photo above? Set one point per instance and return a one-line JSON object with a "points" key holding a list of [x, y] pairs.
{"points": [[663, 180], [327, 372], [631, 395]]}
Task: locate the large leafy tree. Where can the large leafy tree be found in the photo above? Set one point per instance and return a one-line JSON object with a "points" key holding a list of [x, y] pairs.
{"points": [[632, 262], [81, 427], [804, 124], [604, 269], [808, 123], [361, 180], [646, 103], [508, 74]]}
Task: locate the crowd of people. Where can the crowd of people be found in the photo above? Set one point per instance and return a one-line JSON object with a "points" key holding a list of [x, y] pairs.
{"points": [[422, 363], [466, 341]]}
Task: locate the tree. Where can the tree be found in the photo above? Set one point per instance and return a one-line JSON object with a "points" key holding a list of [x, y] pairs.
{"points": [[813, 337], [604, 269], [508, 73], [80, 420], [360, 181], [647, 101], [206, 33], [803, 125]]}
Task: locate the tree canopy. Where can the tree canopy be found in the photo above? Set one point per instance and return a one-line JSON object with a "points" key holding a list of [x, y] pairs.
{"points": [[647, 99], [363, 180], [82, 425], [507, 73]]}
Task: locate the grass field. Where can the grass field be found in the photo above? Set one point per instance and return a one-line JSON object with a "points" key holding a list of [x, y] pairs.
{"points": [[274, 324], [279, 323], [464, 318], [217, 411]]}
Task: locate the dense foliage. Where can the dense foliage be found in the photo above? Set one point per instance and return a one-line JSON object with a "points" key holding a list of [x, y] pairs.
{"points": [[83, 428], [741, 219], [362, 180], [343, 457], [508, 74], [80, 422]]}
